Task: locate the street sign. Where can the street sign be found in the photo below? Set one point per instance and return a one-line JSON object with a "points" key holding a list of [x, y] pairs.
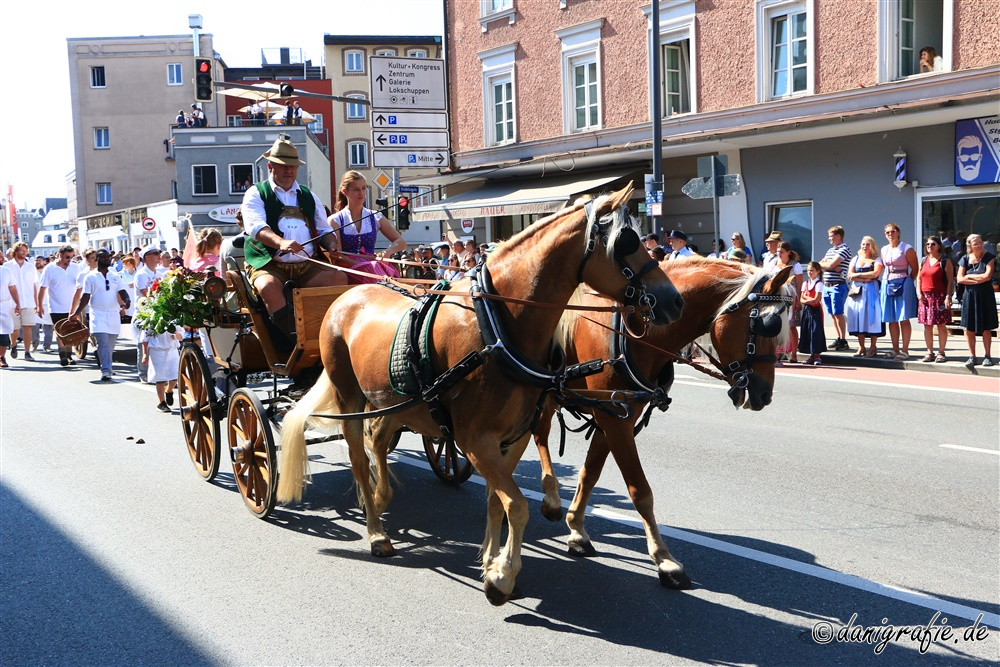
{"points": [[409, 189], [407, 83], [410, 159], [468, 224], [416, 120], [148, 224], [701, 187], [410, 139], [382, 180]]}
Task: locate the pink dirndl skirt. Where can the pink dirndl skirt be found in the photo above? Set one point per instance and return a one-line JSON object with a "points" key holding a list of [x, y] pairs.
{"points": [[932, 309], [377, 269]]}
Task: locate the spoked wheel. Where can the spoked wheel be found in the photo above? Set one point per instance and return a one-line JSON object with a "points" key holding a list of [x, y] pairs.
{"points": [[81, 350], [251, 447], [195, 395], [449, 464]]}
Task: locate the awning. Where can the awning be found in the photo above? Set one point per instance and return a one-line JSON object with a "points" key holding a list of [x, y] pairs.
{"points": [[524, 197]]}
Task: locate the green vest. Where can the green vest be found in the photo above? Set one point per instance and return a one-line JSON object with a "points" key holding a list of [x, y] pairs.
{"points": [[256, 253]]}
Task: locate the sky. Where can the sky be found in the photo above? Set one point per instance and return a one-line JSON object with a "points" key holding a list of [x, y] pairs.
{"points": [[36, 131]]}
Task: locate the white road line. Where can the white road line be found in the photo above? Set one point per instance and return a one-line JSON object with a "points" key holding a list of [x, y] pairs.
{"points": [[950, 609], [872, 383], [972, 449]]}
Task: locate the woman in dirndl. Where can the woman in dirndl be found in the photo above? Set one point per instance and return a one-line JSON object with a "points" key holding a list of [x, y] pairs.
{"points": [[357, 228], [979, 307], [812, 336], [864, 304], [935, 285], [899, 292]]}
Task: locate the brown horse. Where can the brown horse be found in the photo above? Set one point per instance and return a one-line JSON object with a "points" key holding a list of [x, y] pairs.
{"points": [[490, 409], [717, 301]]}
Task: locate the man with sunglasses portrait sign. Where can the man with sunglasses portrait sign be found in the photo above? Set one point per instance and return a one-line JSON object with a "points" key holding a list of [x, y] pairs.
{"points": [[977, 151], [104, 292]]}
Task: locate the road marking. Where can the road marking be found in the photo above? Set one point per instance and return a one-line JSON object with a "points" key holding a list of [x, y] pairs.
{"points": [[911, 597], [972, 449], [874, 383]]}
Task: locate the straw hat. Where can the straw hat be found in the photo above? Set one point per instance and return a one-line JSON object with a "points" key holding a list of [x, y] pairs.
{"points": [[283, 152]]}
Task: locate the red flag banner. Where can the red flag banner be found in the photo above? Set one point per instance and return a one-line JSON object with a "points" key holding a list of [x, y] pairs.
{"points": [[13, 209]]}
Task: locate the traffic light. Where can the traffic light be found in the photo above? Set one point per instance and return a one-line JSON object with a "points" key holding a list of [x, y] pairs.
{"points": [[204, 91], [383, 204], [403, 214]]}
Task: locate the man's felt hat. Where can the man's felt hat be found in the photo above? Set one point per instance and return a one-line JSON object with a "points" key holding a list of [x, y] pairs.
{"points": [[283, 152]]}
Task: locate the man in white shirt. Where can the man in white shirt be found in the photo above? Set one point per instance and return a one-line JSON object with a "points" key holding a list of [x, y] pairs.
{"points": [[105, 293], [58, 283], [678, 241], [144, 277], [25, 279], [769, 260], [286, 226]]}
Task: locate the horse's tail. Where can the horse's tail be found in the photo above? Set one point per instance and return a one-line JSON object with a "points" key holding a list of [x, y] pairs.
{"points": [[294, 461]]}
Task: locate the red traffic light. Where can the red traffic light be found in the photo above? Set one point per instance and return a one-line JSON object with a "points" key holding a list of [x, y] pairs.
{"points": [[204, 66], [403, 202]]}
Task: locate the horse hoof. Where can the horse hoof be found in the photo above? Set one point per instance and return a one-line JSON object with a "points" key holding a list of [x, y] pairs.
{"points": [[580, 549], [383, 549], [494, 594], [676, 580], [552, 513]]}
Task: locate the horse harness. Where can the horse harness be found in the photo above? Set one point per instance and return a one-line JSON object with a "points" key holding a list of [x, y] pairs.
{"points": [[738, 372]]}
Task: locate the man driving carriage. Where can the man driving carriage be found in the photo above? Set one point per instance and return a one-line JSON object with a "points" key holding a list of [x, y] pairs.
{"points": [[281, 219]]}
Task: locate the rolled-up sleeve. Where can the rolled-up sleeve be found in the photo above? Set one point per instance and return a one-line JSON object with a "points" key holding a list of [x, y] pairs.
{"points": [[254, 216]]}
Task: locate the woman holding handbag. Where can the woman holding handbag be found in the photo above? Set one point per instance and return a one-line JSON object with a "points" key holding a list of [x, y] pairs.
{"points": [[864, 306], [899, 292]]}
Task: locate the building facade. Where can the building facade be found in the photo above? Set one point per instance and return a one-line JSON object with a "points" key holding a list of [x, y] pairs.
{"points": [[347, 67], [125, 94], [811, 102]]}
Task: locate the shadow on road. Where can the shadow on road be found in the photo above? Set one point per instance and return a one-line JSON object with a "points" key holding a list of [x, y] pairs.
{"points": [[59, 607]]}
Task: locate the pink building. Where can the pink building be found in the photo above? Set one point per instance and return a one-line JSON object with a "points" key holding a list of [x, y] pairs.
{"points": [[812, 102]]}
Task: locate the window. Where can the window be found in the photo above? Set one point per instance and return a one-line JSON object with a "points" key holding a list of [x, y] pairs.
{"points": [[785, 65], [586, 107], [97, 77], [316, 127], [794, 220], [47, 238], [502, 110], [954, 213], [499, 110], [385, 52], [234, 121], [416, 53], [102, 138], [62, 238], [496, 6], [357, 154], [581, 76], [356, 111], [354, 62], [676, 78], [174, 74], [103, 194], [203, 179], [240, 178], [907, 27]]}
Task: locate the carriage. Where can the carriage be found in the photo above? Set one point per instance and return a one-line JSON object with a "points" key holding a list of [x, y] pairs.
{"points": [[221, 411]]}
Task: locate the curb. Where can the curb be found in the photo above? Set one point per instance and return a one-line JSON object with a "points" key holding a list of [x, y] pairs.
{"points": [[954, 367]]}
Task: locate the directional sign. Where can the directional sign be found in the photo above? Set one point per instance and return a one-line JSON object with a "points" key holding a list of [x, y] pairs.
{"points": [[701, 187], [431, 120], [410, 159], [407, 83], [409, 189], [410, 139]]}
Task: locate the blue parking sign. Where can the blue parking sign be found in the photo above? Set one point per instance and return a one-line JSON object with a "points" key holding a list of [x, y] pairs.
{"points": [[411, 158], [392, 120]]}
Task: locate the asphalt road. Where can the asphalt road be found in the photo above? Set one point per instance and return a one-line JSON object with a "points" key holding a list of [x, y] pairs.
{"points": [[839, 499]]}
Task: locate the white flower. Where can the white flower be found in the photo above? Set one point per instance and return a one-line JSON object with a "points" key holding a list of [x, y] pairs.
{"points": [[189, 297]]}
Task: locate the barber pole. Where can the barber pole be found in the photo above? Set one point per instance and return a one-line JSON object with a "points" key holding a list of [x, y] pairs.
{"points": [[900, 157]]}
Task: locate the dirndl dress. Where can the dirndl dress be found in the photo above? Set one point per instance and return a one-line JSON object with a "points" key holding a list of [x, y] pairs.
{"points": [[864, 312]]}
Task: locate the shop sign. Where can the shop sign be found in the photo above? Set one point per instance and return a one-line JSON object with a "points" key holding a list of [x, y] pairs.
{"points": [[977, 151], [225, 213]]}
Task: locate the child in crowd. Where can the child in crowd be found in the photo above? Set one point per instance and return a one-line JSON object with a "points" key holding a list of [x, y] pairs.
{"points": [[812, 337], [161, 354]]}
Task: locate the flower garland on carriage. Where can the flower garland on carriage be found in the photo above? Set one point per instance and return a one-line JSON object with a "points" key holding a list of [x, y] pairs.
{"points": [[177, 299]]}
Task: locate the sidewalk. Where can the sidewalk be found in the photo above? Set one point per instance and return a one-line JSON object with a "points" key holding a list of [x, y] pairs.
{"points": [[956, 350]]}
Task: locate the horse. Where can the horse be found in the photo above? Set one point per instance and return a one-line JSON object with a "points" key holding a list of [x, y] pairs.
{"points": [[488, 410], [740, 307]]}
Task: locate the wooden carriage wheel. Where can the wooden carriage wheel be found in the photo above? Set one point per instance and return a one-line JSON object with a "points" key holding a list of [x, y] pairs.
{"points": [[251, 447], [81, 350], [196, 397], [449, 464]]}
